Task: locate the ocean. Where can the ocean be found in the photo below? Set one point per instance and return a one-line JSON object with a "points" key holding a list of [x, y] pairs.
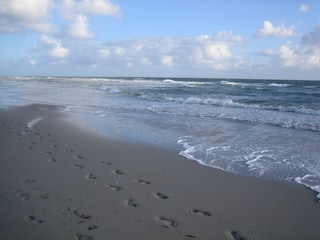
{"points": [[268, 129]]}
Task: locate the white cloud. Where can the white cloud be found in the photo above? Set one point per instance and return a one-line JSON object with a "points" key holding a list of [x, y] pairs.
{"points": [[17, 15], [269, 30], [104, 53], [79, 27], [167, 60], [55, 47], [214, 52], [119, 51], [99, 7], [224, 36], [95, 7], [77, 12], [297, 56], [288, 55], [217, 51], [300, 56], [304, 8], [37, 15]]}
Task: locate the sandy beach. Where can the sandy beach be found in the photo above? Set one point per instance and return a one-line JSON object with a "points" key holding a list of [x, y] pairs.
{"points": [[59, 181]]}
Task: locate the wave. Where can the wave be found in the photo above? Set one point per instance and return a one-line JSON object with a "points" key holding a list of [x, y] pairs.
{"points": [[254, 84], [228, 102], [242, 115], [261, 162], [311, 181], [235, 83], [279, 85], [109, 89], [185, 83], [170, 81], [190, 152]]}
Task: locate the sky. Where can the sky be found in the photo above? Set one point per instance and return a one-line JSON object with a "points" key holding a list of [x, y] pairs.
{"points": [[267, 39]]}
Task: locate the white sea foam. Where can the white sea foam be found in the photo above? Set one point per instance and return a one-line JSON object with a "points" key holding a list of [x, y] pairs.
{"points": [[109, 89], [70, 108], [184, 83], [191, 152], [240, 84], [279, 85], [310, 181], [33, 122], [257, 161], [169, 81]]}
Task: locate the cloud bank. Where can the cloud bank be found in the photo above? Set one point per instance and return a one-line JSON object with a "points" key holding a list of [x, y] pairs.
{"points": [[72, 44], [214, 51]]}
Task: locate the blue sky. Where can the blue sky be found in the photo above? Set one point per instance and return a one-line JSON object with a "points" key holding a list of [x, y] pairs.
{"points": [[167, 38]]}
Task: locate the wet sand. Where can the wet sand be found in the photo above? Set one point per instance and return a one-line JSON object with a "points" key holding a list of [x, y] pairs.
{"points": [[59, 181]]}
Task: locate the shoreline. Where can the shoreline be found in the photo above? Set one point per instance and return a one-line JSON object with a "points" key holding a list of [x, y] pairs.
{"points": [[59, 181]]}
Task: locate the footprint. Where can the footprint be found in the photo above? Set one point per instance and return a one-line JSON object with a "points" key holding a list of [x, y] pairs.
{"points": [[47, 152], [131, 203], [161, 195], [91, 176], [70, 150], [118, 172], [190, 236], [30, 181], [167, 223], [105, 163], [32, 219], [200, 212], [82, 237], [44, 196], [78, 157], [82, 215], [235, 235], [114, 188], [23, 196], [143, 182], [78, 166], [52, 159], [54, 146], [92, 227]]}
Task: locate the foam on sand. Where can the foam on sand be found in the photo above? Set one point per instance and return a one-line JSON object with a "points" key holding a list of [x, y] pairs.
{"points": [[34, 122]]}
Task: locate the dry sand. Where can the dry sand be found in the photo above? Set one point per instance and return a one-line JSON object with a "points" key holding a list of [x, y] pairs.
{"points": [[58, 181]]}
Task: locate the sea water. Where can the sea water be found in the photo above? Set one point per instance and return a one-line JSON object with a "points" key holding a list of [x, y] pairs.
{"points": [[262, 128]]}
